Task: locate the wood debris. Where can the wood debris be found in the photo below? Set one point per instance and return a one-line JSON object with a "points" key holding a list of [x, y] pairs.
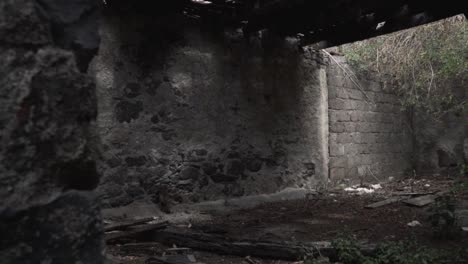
{"points": [[422, 200], [133, 231], [125, 225], [262, 249], [384, 202]]}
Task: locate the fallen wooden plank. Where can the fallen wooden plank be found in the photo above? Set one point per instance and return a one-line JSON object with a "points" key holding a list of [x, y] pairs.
{"points": [[263, 249], [422, 200], [384, 202], [110, 237], [125, 225], [413, 193]]}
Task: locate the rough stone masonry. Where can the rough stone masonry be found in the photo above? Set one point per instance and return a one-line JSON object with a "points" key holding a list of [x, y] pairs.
{"points": [[197, 115], [47, 154], [190, 114]]}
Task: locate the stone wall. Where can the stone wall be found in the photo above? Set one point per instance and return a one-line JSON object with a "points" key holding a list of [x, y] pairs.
{"points": [[47, 108], [188, 114], [369, 135]]}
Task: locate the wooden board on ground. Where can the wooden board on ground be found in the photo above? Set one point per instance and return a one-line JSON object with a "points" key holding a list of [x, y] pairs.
{"points": [[412, 193], [384, 202], [422, 200]]}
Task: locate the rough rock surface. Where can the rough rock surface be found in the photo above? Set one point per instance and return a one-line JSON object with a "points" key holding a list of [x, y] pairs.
{"points": [[197, 115], [47, 158]]}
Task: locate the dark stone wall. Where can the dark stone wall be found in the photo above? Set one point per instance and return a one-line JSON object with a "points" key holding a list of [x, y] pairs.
{"points": [[48, 149], [188, 113]]}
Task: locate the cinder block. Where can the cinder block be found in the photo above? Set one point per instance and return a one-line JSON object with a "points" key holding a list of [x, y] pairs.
{"points": [[338, 162], [337, 127], [351, 149], [336, 149], [339, 116], [350, 126], [337, 78], [356, 94], [337, 174], [335, 92], [337, 104], [344, 138], [352, 173], [342, 93]]}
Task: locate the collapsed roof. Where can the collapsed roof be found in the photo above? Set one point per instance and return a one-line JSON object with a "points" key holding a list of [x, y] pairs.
{"points": [[328, 22]]}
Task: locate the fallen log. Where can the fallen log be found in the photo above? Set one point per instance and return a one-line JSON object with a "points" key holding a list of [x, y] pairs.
{"points": [[125, 225], [134, 231], [262, 249], [413, 193]]}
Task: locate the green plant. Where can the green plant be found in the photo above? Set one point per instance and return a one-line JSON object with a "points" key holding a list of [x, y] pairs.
{"points": [[443, 218], [427, 61], [464, 169], [459, 188], [402, 252]]}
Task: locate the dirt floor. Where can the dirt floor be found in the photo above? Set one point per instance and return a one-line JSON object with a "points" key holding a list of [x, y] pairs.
{"points": [[320, 217]]}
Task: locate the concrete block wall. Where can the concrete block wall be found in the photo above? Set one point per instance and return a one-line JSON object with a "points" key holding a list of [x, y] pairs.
{"points": [[369, 134]]}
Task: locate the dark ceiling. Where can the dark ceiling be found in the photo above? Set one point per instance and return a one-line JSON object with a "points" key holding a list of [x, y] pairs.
{"points": [[326, 23]]}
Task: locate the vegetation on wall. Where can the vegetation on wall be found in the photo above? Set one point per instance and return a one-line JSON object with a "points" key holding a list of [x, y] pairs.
{"points": [[427, 61]]}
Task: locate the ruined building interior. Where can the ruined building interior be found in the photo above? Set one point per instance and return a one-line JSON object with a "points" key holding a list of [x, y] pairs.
{"points": [[218, 131]]}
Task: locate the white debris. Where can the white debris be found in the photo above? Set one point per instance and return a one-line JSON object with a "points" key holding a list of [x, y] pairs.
{"points": [[362, 190], [203, 2], [191, 258], [427, 185], [414, 223], [359, 190], [465, 229]]}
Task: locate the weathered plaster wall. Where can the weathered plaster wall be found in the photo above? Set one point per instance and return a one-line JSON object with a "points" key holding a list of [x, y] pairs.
{"points": [[369, 135], [47, 107], [190, 115]]}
